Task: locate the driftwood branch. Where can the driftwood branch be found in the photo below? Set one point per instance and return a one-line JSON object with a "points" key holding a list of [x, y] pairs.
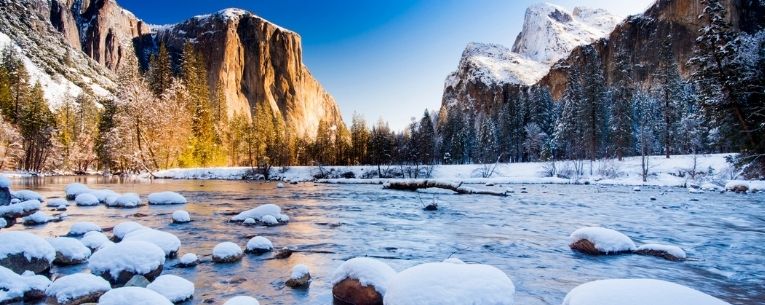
{"points": [[413, 185]]}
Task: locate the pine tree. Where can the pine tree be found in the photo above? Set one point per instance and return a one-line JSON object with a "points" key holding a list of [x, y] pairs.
{"points": [[160, 70], [37, 124], [426, 135], [568, 133], [204, 151], [669, 85], [359, 139], [592, 108], [621, 107], [381, 144], [18, 81]]}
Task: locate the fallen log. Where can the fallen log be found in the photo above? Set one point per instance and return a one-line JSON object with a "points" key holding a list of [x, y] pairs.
{"points": [[413, 185]]}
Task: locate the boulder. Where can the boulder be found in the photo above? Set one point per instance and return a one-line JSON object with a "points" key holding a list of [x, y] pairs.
{"points": [[69, 251], [120, 262], [637, 292], [15, 288], [259, 245], [227, 252], [21, 251], [351, 292], [668, 252], [138, 281], [77, 289], [361, 281], [600, 241], [134, 296], [173, 287], [300, 277], [5, 191]]}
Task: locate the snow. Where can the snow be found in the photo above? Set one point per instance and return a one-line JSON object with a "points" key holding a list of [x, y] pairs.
{"points": [[494, 64], [637, 292], [227, 249], [73, 286], [70, 248], [260, 212], [259, 243], [280, 185], [3, 223], [368, 271], [249, 221], [37, 218], [242, 300], [174, 288], [86, 199], [135, 256], [80, 228], [74, 189], [123, 228], [751, 185], [126, 200], [447, 283], [167, 241], [189, 258], [269, 220], [5, 182], [103, 195], [133, 296], [25, 243], [181, 216], [671, 250], [663, 172], [95, 240], [26, 195], [166, 198], [13, 286], [56, 202], [605, 240], [19, 208], [299, 271]]}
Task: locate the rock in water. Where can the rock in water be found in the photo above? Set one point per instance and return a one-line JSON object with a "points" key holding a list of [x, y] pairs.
{"points": [[174, 288], [168, 242], [637, 292], [188, 260], [668, 252], [300, 277], [16, 288], [133, 296], [166, 198], [181, 216], [69, 251], [5, 191], [138, 281], [361, 281], [77, 289], [21, 251], [259, 245], [600, 241], [120, 262], [227, 252], [242, 300]]}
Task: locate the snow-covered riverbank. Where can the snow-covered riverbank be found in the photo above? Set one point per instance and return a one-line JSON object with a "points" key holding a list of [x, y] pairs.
{"points": [[679, 170]]}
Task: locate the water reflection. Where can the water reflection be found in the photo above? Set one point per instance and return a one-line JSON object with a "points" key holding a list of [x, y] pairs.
{"points": [[525, 234]]}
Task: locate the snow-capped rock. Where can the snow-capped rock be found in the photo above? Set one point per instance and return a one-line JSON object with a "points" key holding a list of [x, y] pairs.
{"points": [[637, 292], [126, 200], [25, 195], [447, 283], [69, 251], [361, 280], [261, 213], [95, 240], [77, 288], [56, 202], [181, 216], [118, 263], [597, 241], [189, 260], [173, 287], [166, 198], [299, 277], [242, 300], [38, 218], [123, 228], [16, 288], [86, 199], [133, 296], [669, 252], [21, 251], [74, 189], [227, 252], [550, 32], [18, 209], [80, 228], [259, 245], [167, 241]]}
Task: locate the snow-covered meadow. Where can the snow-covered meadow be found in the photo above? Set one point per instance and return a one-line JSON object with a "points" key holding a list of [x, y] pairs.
{"points": [[697, 247]]}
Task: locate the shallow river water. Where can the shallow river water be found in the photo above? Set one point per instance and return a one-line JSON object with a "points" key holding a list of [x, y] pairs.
{"points": [[525, 235]]}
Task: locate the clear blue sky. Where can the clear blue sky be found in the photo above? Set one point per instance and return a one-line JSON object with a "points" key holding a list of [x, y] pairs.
{"points": [[381, 58]]}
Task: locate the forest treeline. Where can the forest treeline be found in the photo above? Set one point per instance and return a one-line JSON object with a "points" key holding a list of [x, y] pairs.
{"points": [[168, 116]]}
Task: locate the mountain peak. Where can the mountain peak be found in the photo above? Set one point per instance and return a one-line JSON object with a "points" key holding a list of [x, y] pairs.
{"points": [[550, 31]]}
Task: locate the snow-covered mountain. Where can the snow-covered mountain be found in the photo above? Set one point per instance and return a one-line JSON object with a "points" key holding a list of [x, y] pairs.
{"points": [[550, 32], [495, 64]]}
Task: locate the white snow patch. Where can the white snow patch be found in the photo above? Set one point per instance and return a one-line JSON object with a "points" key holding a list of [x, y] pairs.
{"points": [[19, 207], [74, 189], [189, 258], [86, 199], [605, 240], [670, 249], [259, 212], [80, 228], [37, 218], [28, 244], [299, 271], [133, 296], [173, 287], [95, 240], [56, 202], [166, 198], [167, 241], [70, 248], [368, 271], [181, 216], [447, 283], [123, 228], [226, 250], [13, 286], [26, 195], [126, 200], [242, 300], [70, 287], [135, 256], [637, 292], [259, 243]]}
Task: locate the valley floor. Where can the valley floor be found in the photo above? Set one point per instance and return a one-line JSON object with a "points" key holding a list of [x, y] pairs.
{"points": [[711, 171]]}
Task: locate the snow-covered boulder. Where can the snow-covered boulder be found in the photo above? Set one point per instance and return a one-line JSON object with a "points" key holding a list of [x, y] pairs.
{"points": [[19, 209], [242, 300], [21, 251], [123, 228], [227, 252], [95, 240], [118, 263], [69, 251], [133, 296], [38, 218], [637, 292], [80, 228], [104, 194], [447, 283], [56, 202], [166, 198], [181, 216], [86, 200], [188, 260], [708, 186], [668, 252], [267, 214], [737, 186], [74, 189], [600, 241], [126, 200], [250, 221], [300, 277], [15, 288], [76, 289], [361, 280], [174, 288], [167, 241], [259, 245], [26, 195], [280, 185]]}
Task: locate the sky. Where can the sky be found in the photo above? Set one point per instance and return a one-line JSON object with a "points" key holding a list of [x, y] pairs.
{"points": [[381, 58]]}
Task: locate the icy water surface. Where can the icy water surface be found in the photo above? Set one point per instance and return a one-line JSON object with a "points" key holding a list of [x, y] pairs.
{"points": [[525, 235]]}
